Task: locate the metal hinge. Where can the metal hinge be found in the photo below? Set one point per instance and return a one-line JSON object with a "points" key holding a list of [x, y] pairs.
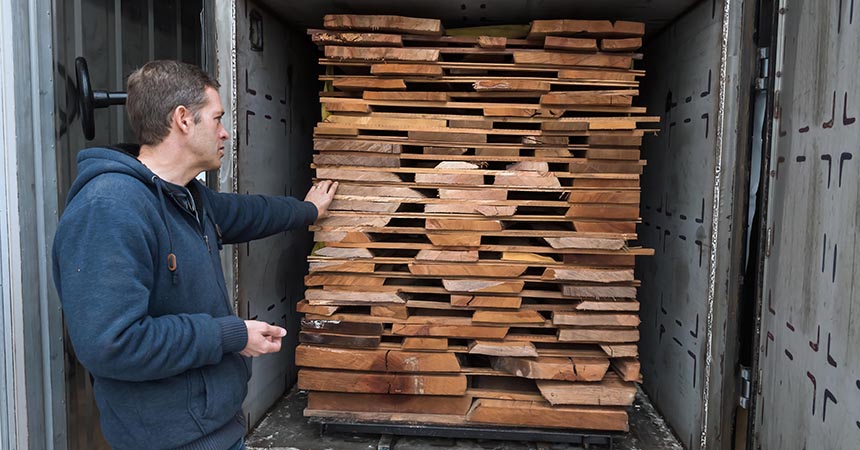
{"points": [[745, 387], [763, 69]]}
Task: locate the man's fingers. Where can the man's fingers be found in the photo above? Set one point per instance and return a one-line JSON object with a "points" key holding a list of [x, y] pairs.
{"points": [[275, 331], [332, 188]]}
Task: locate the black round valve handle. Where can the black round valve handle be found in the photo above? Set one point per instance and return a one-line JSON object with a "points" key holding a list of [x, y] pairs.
{"points": [[90, 100]]}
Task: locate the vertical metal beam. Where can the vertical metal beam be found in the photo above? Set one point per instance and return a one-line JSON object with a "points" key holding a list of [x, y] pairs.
{"points": [[33, 367]]}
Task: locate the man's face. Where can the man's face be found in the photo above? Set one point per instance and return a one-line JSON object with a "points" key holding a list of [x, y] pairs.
{"points": [[207, 137]]}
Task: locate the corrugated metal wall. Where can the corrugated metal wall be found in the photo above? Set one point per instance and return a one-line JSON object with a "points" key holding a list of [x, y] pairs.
{"points": [[809, 368], [115, 36], [277, 93]]}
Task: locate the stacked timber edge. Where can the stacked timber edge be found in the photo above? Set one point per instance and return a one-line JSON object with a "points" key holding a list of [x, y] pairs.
{"points": [[477, 265]]}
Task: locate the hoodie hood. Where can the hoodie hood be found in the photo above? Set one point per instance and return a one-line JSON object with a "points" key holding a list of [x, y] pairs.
{"points": [[97, 161]]}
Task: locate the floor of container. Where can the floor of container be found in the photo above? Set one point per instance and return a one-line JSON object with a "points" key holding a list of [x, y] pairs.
{"points": [[285, 428]]}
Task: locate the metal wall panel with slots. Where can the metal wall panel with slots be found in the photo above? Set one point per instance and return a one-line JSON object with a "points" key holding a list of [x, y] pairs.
{"points": [[276, 113], [810, 373]]}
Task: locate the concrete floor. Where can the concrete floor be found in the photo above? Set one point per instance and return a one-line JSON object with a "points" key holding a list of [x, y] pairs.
{"points": [[285, 428]]}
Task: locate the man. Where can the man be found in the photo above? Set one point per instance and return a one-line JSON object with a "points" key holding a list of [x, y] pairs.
{"points": [[137, 266]]}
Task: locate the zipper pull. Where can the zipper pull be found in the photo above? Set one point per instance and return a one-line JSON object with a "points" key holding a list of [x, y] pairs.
{"points": [[206, 238]]}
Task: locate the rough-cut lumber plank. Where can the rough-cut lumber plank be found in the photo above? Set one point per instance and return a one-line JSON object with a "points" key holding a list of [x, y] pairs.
{"points": [[362, 206], [406, 96], [595, 319], [511, 85], [451, 331], [425, 344], [508, 317], [477, 124], [530, 166], [598, 291], [506, 152], [392, 311], [564, 126], [503, 348], [572, 59], [445, 136], [615, 139], [609, 392], [341, 327], [600, 260], [339, 340], [338, 266], [508, 111], [376, 191], [327, 173], [527, 257], [462, 179], [400, 361], [322, 37], [518, 178], [616, 197], [362, 83], [487, 286], [591, 305], [593, 226], [486, 301], [406, 69], [585, 243], [390, 24], [462, 224], [470, 270], [549, 368], [608, 153], [574, 98], [356, 159], [473, 194], [381, 53], [542, 415], [455, 239], [621, 350], [633, 29], [598, 336], [384, 403], [404, 418], [379, 383], [447, 255], [341, 298], [469, 208], [346, 107], [572, 44], [569, 27], [492, 42], [585, 74], [338, 358], [350, 145], [628, 368], [621, 45], [629, 212], [545, 139], [341, 252], [445, 150], [306, 308], [593, 275]]}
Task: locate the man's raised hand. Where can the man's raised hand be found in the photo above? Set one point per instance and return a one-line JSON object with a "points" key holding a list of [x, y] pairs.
{"points": [[321, 195], [262, 338]]}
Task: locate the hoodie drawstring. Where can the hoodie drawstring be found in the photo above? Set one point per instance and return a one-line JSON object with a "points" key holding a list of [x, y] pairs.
{"points": [[171, 257]]}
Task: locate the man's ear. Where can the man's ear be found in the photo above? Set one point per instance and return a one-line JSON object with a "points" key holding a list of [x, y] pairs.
{"points": [[182, 118]]}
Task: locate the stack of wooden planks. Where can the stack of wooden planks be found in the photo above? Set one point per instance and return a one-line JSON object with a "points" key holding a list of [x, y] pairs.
{"points": [[477, 266]]}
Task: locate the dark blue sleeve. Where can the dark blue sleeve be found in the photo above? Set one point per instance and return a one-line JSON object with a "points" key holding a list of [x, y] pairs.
{"points": [[104, 273], [244, 218]]}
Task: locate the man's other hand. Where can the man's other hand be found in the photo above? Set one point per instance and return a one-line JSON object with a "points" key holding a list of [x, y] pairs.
{"points": [[262, 338], [321, 195]]}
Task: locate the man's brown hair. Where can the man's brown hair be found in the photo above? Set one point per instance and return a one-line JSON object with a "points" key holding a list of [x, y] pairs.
{"points": [[157, 89]]}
